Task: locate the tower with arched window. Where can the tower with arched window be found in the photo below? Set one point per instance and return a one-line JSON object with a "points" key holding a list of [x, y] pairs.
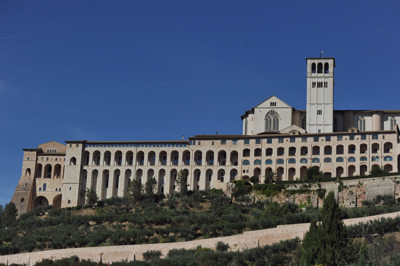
{"points": [[320, 85]]}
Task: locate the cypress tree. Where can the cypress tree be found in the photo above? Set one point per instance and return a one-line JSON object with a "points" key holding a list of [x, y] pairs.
{"points": [[325, 243]]}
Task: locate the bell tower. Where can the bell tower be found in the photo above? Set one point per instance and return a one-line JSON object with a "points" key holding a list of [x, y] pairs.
{"points": [[320, 83]]}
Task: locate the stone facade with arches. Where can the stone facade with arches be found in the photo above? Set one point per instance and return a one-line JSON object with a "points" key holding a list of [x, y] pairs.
{"points": [[274, 139]]}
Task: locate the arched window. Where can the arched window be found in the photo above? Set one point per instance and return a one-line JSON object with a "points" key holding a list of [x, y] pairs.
{"points": [[272, 121], [361, 123], [339, 160], [257, 162], [352, 159], [292, 160], [280, 161], [246, 153], [326, 68], [319, 67], [269, 161], [72, 161], [246, 162], [388, 158], [363, 159], [315, 160], [304, 160], [313, 68], [327, 160]]}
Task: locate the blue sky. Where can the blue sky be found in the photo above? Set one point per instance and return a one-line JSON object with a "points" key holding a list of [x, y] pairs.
{"points": [[157, 70]]}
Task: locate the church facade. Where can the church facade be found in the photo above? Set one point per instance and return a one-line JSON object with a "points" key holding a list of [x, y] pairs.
{"points": [[275, 138]]}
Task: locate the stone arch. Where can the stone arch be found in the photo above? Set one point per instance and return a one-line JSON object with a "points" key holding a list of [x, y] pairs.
{"points": [[210, 158], [118, 158], [387, 147], [291, 174], [388, 168], [40, 201], [196, 179], [162, 157], [319, 68], [28, 171], [234, 158], [129, 158], [186, 157], [127, 181], [151, 158], [339, 171], [352, 170], [363, 170], [173, 176], [315, 150], [140, 158], [328, 150], [222, 157], [105, 184], [57, 201], [47, 171], [72, 161], [198, 157], [139, 175], [38, 171], [208, 180], [326, 68], [95, 174], [257, 172], [339, 149], [115, 183], [303, 171], [279, 173], [161, 181], [233, 175], [174, 157], [57, 171], [96, 158], [85, 158], [246, 153], [221, 175], [107, 158]]}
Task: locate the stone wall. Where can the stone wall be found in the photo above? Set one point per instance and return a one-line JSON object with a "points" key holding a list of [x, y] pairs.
{"points": [[350, 193], [250, 239]]}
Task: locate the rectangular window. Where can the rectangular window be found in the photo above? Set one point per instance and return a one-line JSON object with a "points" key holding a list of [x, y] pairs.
{"points": [[363, 137], [234, 141], [339, 138], [316, 139], [313, 84], [374, 136], [198, 143], [328, 138], [280, 140], [272, 104], [351, 137], [303, 139], [319, 112], [292, 139], [246, 141], [269, 141], [258, 141], [223, 141]]}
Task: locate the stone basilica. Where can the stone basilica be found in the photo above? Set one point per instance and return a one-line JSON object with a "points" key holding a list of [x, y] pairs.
{"points": [[276, 137]]}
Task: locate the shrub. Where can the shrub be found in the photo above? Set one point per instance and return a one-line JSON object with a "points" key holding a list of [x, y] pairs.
{"points": [[151, 255], [221, 246]]}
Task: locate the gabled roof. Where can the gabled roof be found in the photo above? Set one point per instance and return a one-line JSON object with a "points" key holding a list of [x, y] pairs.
{"points": [[273, 96]]}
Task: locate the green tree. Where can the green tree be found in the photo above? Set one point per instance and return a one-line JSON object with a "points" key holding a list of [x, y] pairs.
{"points": [[10, 214], [135, 190], [313, 173], [182, 182], [269, 177], [254, 179], [91, 197], [149, 187], [326, 243], [376, 171]]}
